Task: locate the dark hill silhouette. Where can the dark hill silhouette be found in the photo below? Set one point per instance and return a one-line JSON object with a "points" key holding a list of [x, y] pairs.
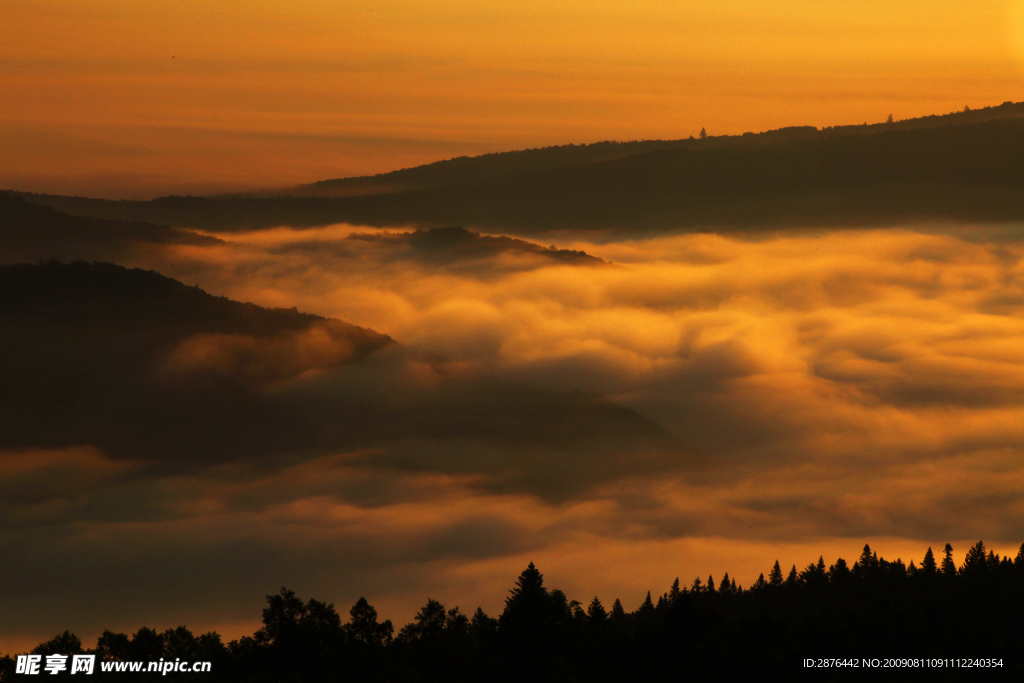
{"points": [[960, 167], [135, 362], [444, 245], [453, 249], [144, 366], [488, 167], [29, 232], [111, 296]]}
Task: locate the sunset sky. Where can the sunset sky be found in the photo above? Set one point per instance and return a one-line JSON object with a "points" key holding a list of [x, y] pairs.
{"points": [[123, 99], [692, 403]]}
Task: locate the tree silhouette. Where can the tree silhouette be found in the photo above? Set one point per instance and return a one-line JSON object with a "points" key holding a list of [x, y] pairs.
{"points": [[529, 591], [544, 636], [428, 624], [483, 627], [674, 592], [596, 611], [948, 566], [116, 646], [791, 579], [975, 563], [840, 572], [146, 644], [66, 643], [363, 627], [814, 574], [775, 577], [646, 608], [928, 565]]}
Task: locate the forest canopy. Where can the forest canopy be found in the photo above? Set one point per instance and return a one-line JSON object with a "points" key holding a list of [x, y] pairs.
{"points": [[928, 612]]}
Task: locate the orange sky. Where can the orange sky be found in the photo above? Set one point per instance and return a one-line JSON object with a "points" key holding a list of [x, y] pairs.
{"points": [[118, 98]]}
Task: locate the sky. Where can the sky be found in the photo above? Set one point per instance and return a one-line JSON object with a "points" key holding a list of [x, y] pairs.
{"points": [[690, 404], [120, 99]]}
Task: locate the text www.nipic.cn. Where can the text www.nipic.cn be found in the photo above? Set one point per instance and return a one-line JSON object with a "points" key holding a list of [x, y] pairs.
{"points": [[86, 664]]}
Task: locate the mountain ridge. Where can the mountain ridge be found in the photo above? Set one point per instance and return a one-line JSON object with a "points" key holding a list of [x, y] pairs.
{"points": [[957, 167]]}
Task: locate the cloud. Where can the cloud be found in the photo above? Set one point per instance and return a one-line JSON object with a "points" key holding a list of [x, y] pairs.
{"points": [[242, 359], [707, 404], [862, 350]]}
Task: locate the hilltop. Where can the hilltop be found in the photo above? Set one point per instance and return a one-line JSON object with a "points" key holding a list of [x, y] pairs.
{"points": [[958, 167]]}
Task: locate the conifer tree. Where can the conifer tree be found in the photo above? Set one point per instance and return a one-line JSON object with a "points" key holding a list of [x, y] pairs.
{"points": [[814, 574], [839, 572], [928, 565], [647, 606], [529, 585], [529, 607], [897, 569], [791, 579], [482, 626], [948, 567], [775, 578], [992, 560], [975, 563], [596, 611], [867, 558]]}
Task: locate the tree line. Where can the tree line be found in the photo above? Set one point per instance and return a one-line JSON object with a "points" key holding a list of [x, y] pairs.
{"points": [[873, 608]]}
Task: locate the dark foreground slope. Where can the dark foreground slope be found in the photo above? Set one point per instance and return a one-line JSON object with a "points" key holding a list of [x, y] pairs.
{"points": [[872, 620], [140, 364], [960, 168]]}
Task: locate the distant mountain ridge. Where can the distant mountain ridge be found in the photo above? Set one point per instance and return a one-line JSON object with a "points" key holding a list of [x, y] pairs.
{"points": [[29, 232], [958, 167], [466, 169], [449, 245]]}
